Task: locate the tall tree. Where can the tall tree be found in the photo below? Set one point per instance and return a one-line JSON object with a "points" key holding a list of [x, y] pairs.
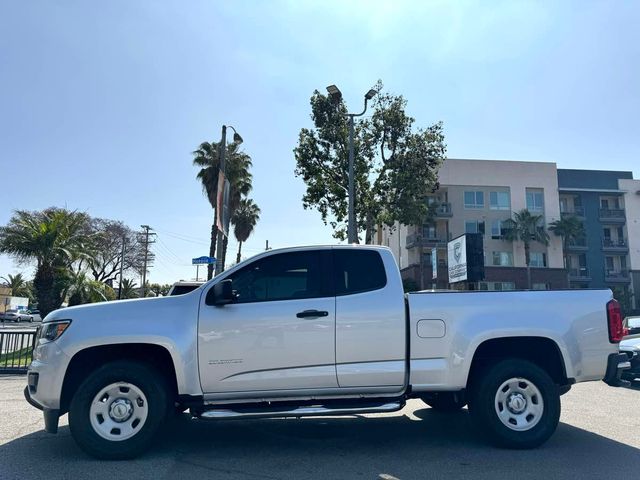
{"points": [[157, 289], [570, 229], [395, 165], [526, 228], [244, 220], [55, 238], [129, 289], [18, 285], [82, 289], [108, 238], [237, 166]]}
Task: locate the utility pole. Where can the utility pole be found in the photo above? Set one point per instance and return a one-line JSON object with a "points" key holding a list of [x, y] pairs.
{"points": [[147, 233], [121, 268]]}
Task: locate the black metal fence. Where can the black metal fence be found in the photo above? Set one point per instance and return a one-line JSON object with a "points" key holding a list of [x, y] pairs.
{"points": [[16, 349]]}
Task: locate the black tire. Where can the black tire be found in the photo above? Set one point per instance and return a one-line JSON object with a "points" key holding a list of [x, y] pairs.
{"points": [[484, 412], [144, 377], [446, 401]]}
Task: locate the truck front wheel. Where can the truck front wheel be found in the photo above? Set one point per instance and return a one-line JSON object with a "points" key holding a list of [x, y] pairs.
{"points": [[516, 403], [118, 409]]}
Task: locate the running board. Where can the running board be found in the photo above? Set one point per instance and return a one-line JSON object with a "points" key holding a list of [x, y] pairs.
{"points": [[303, 411]]}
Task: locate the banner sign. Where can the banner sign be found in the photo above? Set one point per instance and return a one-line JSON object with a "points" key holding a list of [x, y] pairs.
{"points": [[222, 204], [434, 263], [457, 259]]}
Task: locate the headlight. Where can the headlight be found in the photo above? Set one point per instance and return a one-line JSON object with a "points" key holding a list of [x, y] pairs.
{"points": [[51, 331]]}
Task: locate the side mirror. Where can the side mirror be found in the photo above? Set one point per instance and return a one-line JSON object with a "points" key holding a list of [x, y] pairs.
{"points": [[221, 294]]}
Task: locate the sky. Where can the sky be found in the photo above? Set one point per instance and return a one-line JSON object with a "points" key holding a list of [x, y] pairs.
{"points": [[102, 103]]}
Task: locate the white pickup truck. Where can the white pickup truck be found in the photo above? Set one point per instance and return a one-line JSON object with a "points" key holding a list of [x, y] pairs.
{"points": [[319, 331]]}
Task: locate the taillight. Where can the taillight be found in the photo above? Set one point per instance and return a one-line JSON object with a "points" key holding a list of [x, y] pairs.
{"points": [[614, 321]]}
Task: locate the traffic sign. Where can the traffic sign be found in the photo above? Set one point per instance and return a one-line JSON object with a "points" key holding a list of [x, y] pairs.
{"points": [[203, 260]]}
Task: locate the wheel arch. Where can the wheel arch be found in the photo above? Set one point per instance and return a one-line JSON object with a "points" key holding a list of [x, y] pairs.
{"points": [[543, 351], [87, 360]]}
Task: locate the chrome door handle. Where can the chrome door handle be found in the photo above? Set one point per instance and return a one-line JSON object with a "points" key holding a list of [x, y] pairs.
{"points": [[312, 314]]}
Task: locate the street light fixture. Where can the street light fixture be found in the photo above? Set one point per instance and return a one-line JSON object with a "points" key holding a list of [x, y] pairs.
{"points": [[236, 136], [336, 95]]}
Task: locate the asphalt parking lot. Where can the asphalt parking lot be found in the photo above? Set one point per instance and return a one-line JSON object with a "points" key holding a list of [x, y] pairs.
{"points": [[599, 437]]}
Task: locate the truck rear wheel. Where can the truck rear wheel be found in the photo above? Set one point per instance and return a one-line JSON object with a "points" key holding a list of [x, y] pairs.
{"points": [[516, 403], [118, 409]]}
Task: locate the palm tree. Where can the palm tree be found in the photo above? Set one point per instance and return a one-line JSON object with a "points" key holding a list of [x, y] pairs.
{"points": [[527, 228], [55, 238], [237, 165], [83, 289], [244, 221], [128, 289], [570, 228], [18, 285]]}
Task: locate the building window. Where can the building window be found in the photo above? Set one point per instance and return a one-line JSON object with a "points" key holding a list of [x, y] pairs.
{"points": [[502, 259], [537, 259], [498, 229], [499, 201], [535, 200], [474, 199], [540, 286], [497, 286], [474, 226], [429, 232]]}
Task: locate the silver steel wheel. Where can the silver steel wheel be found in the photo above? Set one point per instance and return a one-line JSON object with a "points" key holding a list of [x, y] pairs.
{"points": [[118, 411], [519, 404]]}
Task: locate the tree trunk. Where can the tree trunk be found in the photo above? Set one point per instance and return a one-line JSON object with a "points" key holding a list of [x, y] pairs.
{"points": [[225, 243], [370, 231], [212, 248], [239, 252], [565, 243], [527, 259], [48, 290]]}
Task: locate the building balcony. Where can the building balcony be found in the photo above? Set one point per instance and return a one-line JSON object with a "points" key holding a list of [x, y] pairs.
{"points": [[576, 211], [581, 274], [612, 215], [577, 245], [617, 276], [443, 210], [418, 240], [619, 245]]}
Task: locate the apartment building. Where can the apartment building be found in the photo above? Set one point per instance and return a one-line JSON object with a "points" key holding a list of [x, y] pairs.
{"points": [[601, 258], [477, 196], [631, 199]]}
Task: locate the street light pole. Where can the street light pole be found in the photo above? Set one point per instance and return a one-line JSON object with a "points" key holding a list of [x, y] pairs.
{"points": [[352, 231], [336, 95], [224, 207], [220, 235]]}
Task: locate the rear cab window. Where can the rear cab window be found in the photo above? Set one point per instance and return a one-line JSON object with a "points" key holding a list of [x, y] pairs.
{"points": [[357, 271]]}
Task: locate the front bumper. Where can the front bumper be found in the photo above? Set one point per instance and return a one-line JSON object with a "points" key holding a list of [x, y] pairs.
{"points": [[617, 363], [51, 415]]}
